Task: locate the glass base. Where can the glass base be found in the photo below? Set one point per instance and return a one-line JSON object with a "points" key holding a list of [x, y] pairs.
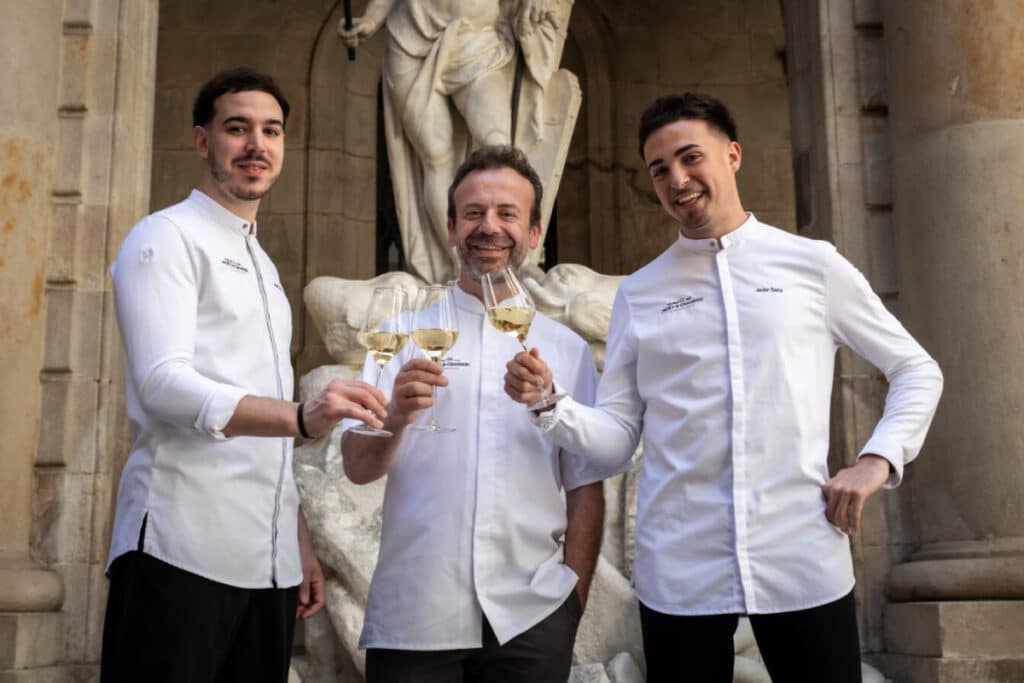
{"points": [[549, 401], [432, 428], [367, 430]]}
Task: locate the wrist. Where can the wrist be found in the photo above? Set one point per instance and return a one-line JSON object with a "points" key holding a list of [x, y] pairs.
{"points": [[300, 422]]}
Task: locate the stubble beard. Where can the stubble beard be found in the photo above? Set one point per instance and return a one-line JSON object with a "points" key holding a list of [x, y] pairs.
{"points": [[516, 259], [223, 178]]}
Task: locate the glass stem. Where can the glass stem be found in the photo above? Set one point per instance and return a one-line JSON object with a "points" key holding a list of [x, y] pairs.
{"points": [[540, 385], [433, 410]]}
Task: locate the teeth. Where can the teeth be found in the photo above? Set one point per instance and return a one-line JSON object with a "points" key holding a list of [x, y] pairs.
{"points": [[687, 198]]}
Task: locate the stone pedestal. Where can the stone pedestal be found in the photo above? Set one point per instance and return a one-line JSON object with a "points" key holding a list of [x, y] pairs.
{"points": [[958, 161]]}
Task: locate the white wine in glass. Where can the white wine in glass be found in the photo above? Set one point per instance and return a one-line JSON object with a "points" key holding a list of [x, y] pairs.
{"points": [[384, 332], [511, 310], [435, 329]]}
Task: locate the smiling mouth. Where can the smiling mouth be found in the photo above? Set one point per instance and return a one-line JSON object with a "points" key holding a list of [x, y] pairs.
{"points": [[688, 198]]}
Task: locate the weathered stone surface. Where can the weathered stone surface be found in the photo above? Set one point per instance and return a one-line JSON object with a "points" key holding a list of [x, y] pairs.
{"points": [[956, 629], [588, 673]]}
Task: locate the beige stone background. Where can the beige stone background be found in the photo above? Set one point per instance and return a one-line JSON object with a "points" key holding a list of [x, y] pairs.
{"points": [[892, 128]]}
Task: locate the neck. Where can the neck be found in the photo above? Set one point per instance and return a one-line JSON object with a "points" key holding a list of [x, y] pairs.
{"points": [[243, 208], [470, 286], [719, 228]]}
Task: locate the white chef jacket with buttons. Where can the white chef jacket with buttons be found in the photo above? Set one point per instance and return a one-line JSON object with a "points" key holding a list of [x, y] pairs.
{"points": [[205, 321], [722, 353], [473, 520]]}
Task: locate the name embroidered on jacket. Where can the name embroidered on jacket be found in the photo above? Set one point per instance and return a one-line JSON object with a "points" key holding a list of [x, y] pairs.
{"points": [[234, 265], [774, 290], [681, 302], [454, 363]]}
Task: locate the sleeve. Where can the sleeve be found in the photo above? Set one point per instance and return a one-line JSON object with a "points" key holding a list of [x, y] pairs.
{"points": [[576, 469], [156, 296], [858, 319], [607, 433]]}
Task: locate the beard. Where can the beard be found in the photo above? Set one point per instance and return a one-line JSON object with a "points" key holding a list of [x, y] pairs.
{"points": [[223, 177], [475, 269]]}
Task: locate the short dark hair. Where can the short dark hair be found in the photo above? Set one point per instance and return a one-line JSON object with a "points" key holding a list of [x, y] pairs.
{"points": [[494, 157], [688, 105], [230, 81]]}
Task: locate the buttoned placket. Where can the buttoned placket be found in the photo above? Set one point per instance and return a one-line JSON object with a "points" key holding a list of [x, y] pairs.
{"points": [[248, 232], [740, 485]]}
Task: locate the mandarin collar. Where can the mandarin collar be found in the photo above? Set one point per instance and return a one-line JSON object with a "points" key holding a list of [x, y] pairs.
{"points": [[466, 301], [730, 240], [222, 216]]}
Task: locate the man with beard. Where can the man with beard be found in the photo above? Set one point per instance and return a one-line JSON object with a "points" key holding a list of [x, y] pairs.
{"points": [[721, 354], [483, 569], [211, 560]]}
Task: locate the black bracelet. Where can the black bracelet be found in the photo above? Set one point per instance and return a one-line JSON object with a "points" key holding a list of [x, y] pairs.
{"points": [[302, 425]]}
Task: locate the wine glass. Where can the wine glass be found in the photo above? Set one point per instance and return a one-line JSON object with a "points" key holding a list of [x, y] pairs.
{"points": [[384, 332], [434, 330], [511, 310]]}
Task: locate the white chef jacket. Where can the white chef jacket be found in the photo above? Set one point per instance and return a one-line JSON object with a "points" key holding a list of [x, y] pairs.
{"points": [[205, 321], [722, 352], [473, 520]]}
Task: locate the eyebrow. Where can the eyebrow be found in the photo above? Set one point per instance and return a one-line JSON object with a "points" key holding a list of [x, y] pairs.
{"points": [[503, 205], [682, 150], [246, 120]]}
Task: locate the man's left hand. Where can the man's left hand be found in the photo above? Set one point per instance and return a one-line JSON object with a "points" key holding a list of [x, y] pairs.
{"points": [[847, 492], [311, 590]]}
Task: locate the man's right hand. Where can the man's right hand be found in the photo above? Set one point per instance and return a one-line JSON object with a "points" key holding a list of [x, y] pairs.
{"points": [[343, 398], [414, 390], [526, 373]]}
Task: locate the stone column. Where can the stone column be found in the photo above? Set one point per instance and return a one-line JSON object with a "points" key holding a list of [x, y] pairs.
{"points": [[29, 594], [956, 89]]}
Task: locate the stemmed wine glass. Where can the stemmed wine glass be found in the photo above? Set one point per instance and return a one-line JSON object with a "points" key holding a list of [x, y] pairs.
{"points": [[434, 330], [511, 310], [384, 332]]}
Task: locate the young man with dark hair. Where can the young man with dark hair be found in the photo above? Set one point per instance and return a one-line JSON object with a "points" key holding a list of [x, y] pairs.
{"points": [[211, 560], [483, 569], [721, 353]]}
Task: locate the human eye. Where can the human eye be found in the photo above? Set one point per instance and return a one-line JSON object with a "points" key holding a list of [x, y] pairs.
{"points": [[272, 132], [692, 158], [658, 171]]}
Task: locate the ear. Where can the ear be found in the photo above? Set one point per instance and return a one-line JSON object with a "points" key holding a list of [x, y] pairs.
{"points": [[451, 233], [533, 236], [735, 156], [200, 141]]}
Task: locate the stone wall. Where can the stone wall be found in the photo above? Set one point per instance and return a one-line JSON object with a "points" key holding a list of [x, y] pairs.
{"points": [[75, 145]]}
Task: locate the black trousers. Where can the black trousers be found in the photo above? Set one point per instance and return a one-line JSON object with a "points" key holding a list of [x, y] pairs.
{"points": [[807, 646], [164, 624], [542, 654]]}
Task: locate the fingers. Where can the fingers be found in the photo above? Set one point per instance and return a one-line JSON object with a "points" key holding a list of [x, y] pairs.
{"points": [[845, 503]]}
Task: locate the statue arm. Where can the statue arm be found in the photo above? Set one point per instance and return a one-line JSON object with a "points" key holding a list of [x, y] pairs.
{"points": [[365, 26]]}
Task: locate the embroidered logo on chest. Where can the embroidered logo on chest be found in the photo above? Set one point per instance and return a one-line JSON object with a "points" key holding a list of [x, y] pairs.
{"points": [[234, 265], [681, 302], [454, 363], [769, 290]]}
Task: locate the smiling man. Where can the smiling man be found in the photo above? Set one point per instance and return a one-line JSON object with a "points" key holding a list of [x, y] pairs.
{"points": [[483, 569], [721, 354], [211, 560]]}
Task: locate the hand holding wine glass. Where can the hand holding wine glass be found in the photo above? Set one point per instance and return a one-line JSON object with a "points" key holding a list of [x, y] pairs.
{"points": [[511, 310], [435, 330], [384, 332]]}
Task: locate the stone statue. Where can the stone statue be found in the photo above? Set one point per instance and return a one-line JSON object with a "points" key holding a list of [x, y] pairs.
{"points": [[449, 76]]}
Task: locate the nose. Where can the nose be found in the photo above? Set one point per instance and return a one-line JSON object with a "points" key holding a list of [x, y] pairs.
{"points": [[678, 177], [255, 142], [488, 222]]}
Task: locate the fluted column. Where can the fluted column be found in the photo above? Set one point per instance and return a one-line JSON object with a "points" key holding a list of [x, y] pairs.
{"points": [[956, 90]]}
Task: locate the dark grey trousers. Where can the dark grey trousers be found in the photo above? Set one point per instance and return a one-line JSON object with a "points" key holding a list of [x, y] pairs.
{"points": [[542, 654]]}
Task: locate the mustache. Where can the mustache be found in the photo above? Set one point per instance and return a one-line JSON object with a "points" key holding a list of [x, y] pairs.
{"points": [[252, 157], [478, 240]]}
